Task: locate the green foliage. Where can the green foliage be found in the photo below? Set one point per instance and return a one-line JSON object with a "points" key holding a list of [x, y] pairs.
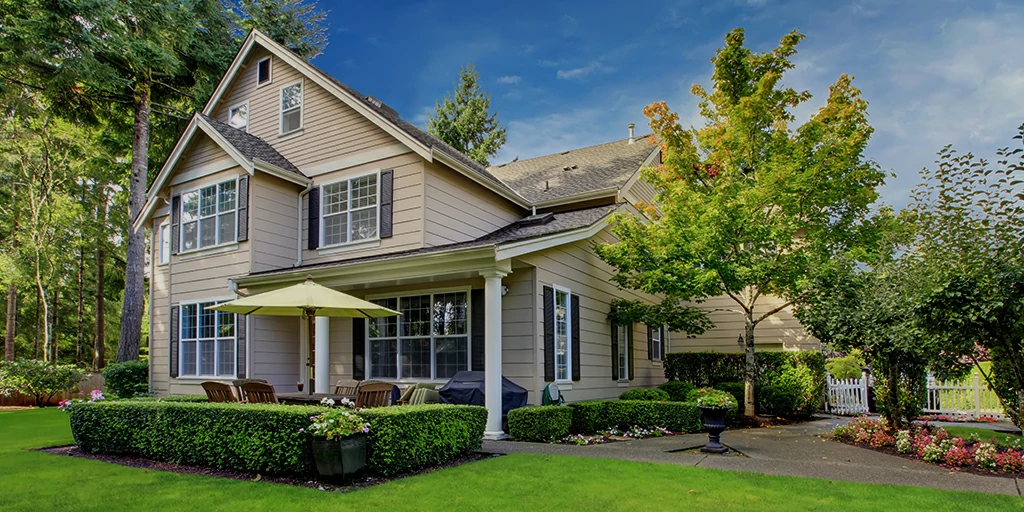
{"points": [[465, 121], [675, 416], [266, 438], [129, 379], [298, 25], [736, 389], [644, 394], [850, 366], [711, 397], [677, 390], [703, 369], [781, 399], [38, 379], [589, 417], [543, 423], [175, 398]]}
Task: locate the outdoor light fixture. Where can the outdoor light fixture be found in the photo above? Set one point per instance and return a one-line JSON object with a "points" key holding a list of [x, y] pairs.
{"points": [[739, 340]]}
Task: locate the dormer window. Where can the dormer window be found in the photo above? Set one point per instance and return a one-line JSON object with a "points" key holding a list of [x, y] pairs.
{"points": [[263, 71], [291, 108], [238, 116]]}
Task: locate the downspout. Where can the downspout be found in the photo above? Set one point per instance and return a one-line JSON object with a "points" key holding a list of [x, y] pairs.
{"points": [[298, 224]]}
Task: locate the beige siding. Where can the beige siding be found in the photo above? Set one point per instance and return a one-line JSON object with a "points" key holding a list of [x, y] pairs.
{"points": [[331, 129], [159, 320], [781, 331], [519, 341], [274, 227], [275, 351], [643, 191], [459, 210]]}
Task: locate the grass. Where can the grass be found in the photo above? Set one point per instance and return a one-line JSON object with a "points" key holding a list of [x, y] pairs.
{"points": [[41, 481], [1006, 440]]}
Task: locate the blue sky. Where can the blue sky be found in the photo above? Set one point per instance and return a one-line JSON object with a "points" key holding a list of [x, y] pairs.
{"points": [[570, 74]]}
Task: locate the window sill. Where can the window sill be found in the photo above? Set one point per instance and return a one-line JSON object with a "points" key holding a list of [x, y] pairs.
{"points": [[564, 385], [209, 251], [355, 246], [656, 362], [290, 135], [623, 383], [204, 378]]}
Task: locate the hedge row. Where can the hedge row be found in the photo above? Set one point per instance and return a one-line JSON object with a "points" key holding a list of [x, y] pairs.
{"points": [[594, 416], [265, 438], [539, 424]]}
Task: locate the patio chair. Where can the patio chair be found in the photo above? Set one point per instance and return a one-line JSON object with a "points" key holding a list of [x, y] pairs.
{"points": [[218, 392], [259, 393], [425, 396], [238, 387], [374, 394], [408, 392], [346, 387]]}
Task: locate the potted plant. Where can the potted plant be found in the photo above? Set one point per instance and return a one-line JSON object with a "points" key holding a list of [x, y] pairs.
{"points": [[713, 406], [339, 442]]}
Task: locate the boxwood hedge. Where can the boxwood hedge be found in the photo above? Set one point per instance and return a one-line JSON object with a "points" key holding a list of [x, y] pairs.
{"points": [[542, 423], [590, 417], [265, 438]]}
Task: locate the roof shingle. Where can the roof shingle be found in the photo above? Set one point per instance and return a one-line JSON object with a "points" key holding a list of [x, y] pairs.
{"points": [[251, 146]]}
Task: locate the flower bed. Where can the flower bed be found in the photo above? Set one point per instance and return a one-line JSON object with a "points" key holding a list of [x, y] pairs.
{"points": [[957, 419], [935, 445]]}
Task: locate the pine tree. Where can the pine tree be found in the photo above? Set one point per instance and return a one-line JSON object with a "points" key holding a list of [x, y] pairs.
{"points": [[465, 121]]}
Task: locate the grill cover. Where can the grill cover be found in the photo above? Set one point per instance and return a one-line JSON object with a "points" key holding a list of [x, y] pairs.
{"points": [[467, 388]]}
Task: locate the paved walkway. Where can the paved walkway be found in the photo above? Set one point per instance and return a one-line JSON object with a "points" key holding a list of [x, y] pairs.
{"points": [[794, 450]]}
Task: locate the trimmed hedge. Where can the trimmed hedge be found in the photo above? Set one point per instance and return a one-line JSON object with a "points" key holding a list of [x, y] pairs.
{"points": [[677, 390], [265, 438], [195, 399], [590, 417], [656, 395], [543, 423], [127, 380], [738, 391]]}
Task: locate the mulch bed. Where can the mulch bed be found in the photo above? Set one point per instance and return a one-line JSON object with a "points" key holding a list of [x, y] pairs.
{"points": [[361, 482], [891, 450], [761, 421]]}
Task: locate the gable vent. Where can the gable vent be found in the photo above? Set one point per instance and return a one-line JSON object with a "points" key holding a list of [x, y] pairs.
{"points": [[535, 220]]}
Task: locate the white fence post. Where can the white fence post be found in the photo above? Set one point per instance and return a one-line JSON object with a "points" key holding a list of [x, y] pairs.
{"points": [[977, 394]]}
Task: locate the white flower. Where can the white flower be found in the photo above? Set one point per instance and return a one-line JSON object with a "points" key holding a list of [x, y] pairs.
{"points": [[327, 401]]}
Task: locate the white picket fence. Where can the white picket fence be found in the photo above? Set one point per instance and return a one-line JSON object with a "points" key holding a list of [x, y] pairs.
{"points": [[964, 398]]}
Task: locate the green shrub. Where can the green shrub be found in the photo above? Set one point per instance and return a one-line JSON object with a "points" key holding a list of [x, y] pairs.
{"points": [[675, 416], [736, 389], [711, 397], [175, 398], [37, 379], [266, 438], [127, 380], [677, 390], [589, 417], [850, 366], [778, 399], [656, 395], [543, 423]]}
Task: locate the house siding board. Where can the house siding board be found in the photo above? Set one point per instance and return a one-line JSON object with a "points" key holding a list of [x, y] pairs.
{"points": [[159, 318], [459, 210], [643, 191], [518, 338], [275, 351], [780, 331], [274, 232]]}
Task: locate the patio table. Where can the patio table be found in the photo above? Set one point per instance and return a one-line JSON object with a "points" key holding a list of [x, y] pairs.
{"points": [[302, 398]]}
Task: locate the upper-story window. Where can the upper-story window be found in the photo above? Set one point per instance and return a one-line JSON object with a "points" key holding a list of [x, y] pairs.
{"points": [[291, 108], [263, 72], [209, 216], [349, 211], [563, 339], [165, 244], [238, 116]]}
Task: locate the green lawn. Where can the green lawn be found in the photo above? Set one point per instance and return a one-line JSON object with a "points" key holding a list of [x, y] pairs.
{"points": [[38, 481], [1006, 440]]}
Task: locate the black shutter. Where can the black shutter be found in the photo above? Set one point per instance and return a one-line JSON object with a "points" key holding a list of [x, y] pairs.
{"points": [[243, 209], [240, 346], [661, 350], [313, 235], [359, 348], [650, 342], [629, 350], [173, 357], [549, 334], [477, 321], [387, 195], [615, 351], [575, 305], [175, 224]]}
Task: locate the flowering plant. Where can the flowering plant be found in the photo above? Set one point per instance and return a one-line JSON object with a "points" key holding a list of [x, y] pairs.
{"points": [[345, 402], [336, 424], [711, 397], [985, 454], [95, 396]]}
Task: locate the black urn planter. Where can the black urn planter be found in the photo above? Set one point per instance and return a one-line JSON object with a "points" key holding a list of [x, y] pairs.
{"points": [[714, 424], [340, 458]]}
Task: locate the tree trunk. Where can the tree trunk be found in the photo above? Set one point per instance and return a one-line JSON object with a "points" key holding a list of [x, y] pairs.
{"points": [[81, 306], [131, 314], [54, 339], [35, 343], [749, 367], [99, 344], [46, 313], [12, 321]]}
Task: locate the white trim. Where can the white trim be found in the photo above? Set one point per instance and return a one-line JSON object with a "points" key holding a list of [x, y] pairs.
{"points": [[216, 216], [371, 243], [221, 164], [568, 332], [270, 72], [623, 383], [163, 258], [322, 245], [622, 346], [284, 174], [362, 158], [248, 115], [578, 198], [516, 249], [208, 251], [197, 339], [301, 108]]}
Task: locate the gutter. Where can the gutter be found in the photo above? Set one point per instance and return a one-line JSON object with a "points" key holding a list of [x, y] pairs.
{"points": [[298, 223]]}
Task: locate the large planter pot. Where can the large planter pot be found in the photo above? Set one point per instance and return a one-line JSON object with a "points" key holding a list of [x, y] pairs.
{"points": [[340, 458], [714, 424]]}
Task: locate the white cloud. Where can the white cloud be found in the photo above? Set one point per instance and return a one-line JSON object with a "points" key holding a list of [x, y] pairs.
{"points": [[584, 71], [547, 63], [509, 79]]}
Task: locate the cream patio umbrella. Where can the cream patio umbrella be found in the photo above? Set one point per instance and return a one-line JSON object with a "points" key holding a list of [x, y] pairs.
{"points": [[306, 300]]}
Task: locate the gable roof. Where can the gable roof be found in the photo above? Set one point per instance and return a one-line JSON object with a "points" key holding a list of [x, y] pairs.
{"points": [[577, 172], [250, 146], [424, 144]]}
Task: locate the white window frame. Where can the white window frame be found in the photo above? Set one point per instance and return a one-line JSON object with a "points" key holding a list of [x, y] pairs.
{"points": [[658, 341], [568, 333], [622, 342], [197, 339], [199, 219], [248, 114], [348, 212], [270, 72], [164, 244], [433, 337], [301, 108]]}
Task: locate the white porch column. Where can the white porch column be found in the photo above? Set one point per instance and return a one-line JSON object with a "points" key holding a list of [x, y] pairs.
{"points": [[323, 355], [492, 353], [304, 353]]}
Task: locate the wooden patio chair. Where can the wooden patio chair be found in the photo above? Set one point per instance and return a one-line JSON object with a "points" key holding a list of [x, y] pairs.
{"points": [[259, 393], [375, 394], [218, 392], [238, 387], [346, 387]]}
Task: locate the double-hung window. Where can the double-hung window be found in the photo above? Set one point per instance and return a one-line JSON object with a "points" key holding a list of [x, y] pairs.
{"points": [[563, 335], [429, 341], [657, 342], [622, 341], [164, 240], [238, 116], [209, 216], [291, 108], [207, 340], [349, 211]]}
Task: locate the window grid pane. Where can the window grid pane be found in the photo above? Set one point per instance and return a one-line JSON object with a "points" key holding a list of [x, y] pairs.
{"points": [[207, 357], [429, 340], [349, 210], [239, 117], [450, 356], [207, 341], [364, 224], [415, 358], [291, 97], [415, 319], [226, 196], [561, 335], [209, 216], [208, 201], [450, 313], [188, 357], [623, 342], [383, 359]]}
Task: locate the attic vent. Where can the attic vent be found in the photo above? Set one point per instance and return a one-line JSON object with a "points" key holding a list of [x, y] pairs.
{"points": [[570, 167], [535, 219], [566, 153], [374, 101]]}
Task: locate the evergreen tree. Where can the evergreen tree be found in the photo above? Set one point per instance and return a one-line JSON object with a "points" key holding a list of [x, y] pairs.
{"points": [[465, 121], [296, 24]]}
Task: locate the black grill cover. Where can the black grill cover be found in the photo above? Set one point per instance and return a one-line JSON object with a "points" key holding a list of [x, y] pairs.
{"points": [[467, 388]]}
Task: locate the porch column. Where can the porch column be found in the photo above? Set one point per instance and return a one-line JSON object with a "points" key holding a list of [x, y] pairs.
{"points": [[322, 374], [492, 353]]}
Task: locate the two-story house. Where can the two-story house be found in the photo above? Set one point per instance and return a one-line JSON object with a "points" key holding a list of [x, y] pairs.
{"points": [[288, 172]]}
